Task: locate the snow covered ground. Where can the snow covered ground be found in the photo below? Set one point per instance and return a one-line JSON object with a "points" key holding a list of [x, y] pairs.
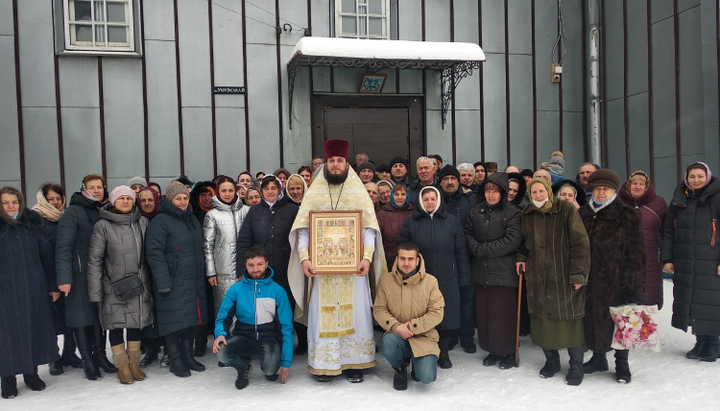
{"points": [[661, 381]]}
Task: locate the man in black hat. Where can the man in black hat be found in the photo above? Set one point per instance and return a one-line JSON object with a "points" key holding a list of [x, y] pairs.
{"points": [[399, 170]]}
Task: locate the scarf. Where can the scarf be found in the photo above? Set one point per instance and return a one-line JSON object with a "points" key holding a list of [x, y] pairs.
{"points": [[392, 197], [156, 197], [543, 207], [46, 210], [596, 207]]}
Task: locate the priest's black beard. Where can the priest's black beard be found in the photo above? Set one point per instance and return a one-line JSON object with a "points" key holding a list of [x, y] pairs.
{"points": [[334, 179]]}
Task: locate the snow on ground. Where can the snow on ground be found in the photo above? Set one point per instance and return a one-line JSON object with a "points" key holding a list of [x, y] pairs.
{"points": [[661, 381]]}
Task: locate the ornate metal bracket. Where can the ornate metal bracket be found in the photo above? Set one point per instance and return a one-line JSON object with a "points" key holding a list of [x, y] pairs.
{"points": [[451, 77], [452, 72]]}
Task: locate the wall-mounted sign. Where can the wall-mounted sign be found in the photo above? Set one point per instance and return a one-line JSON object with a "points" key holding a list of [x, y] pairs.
{"points": [[229, 90]]}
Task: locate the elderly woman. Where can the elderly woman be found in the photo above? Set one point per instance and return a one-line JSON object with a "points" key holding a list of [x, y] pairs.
{"points": [[441, 240], [71, 253], [691, 250], [253, 196], [570, 191], [119, 279], [617, 268], [493, 236], [173, 246], [555, 256], [50, 205], [391, 218], [384, 192], [639, 193], [220, 231], [27, 277], [295, 189]]}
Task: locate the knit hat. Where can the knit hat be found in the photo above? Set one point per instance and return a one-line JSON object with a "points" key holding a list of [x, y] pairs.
{"points": [[558, 158], [604, 177], [449, 170], [336, 148], [366, 165], [398, 159], [121, 191], [175, 188], [382, 168], [527, 173], [137, 180]]}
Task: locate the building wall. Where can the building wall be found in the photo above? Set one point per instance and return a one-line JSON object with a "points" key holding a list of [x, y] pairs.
{"points": [[62, 117]]}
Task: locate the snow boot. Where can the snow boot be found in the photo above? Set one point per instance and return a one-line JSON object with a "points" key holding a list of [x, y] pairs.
{"points": [[9, 387], [694, 354], [201, 338], [507, 362], [33, 381], [576, 372], [121, 360], [400, 381], [622, 366], [187, 354], [711, 349], [133, 352], [100, 350], [597, 363], [491, 360], [552, 364], [468, 346], [176, 362], [90, 367], [243, 377], [68, 357]]}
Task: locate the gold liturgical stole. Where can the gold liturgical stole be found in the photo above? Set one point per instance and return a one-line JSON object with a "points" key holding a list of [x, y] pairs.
{"points": [[337, 293]]}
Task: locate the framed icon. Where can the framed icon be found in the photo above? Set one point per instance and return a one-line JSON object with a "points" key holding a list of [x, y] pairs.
{"points": [[336, 241], [372, 83]]}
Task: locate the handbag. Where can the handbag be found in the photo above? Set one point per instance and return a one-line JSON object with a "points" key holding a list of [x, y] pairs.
{"points": [[128, 287], [636, 327]]}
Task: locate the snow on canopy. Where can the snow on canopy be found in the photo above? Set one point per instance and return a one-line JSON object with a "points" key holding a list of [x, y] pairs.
{"points": [[388, 49]]}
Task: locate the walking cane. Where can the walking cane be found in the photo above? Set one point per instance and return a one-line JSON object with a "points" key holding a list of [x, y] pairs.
{"points": [[517, 329]]}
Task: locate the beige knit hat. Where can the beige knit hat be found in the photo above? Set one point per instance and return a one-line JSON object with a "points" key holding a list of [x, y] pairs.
{"points": [[175, 188]]}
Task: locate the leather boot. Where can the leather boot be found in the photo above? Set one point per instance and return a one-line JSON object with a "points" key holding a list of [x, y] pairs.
{"points": [[552, 364], [444, 359], [121, 360], [711, 349], [133, 352], [82, 338], [187, 354], [9, 387], [694, 354], [622, 367], [176, 362], [400, 381], [576, 372], [33, 381], [598, 362], [201, 338], [69, 358], [56, 367], [100, 350]]}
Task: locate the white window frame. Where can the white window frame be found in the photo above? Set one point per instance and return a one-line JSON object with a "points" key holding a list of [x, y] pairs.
{"points": [[65, 33], [362, 13]]}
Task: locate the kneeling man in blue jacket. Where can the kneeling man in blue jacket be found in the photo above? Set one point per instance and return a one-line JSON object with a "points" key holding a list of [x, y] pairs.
{"points": [[264, 323]]}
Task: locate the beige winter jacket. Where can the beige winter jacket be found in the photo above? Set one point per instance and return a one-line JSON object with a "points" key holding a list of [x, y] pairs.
{"points": [[418, 300]]}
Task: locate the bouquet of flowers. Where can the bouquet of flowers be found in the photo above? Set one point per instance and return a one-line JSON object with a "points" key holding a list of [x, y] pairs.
{"points": [[636, 326]]}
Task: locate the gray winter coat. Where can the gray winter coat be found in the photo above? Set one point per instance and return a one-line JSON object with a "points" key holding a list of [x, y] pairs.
{"points": [[220, 232], [117, 251]]}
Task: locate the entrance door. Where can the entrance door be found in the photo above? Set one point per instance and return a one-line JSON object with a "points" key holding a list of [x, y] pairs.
{"points": [[382, 132]]}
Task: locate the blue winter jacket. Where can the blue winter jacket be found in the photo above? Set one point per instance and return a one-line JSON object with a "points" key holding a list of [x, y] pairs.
{"points": [[262, 310]]}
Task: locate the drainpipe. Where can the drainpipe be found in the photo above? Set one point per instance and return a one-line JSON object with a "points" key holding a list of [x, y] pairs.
{"points": [[594, 22]]}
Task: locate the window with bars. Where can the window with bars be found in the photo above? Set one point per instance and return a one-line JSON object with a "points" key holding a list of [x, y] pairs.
{"points": [[97, 26], [362, 19]]}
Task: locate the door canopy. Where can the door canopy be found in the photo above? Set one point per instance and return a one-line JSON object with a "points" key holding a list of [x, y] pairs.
{"points": [[454, 60]]}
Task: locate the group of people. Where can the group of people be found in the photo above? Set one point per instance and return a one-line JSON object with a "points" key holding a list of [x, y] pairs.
{"points": [[442, 257]]}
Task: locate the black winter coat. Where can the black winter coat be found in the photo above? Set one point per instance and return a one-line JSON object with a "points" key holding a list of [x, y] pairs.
{"points": [[617, 268], [49, 229], [691, 245], [442, 244], [493, 236], [27, 272], [459, 204], [269, 229], [71, 254], [173, 246]]}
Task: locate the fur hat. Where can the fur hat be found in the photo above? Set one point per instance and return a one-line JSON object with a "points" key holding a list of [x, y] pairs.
{"points": [[604, 177], [449, 170], [175, 188], [120, 191], [137, 180], [336, 148]]}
